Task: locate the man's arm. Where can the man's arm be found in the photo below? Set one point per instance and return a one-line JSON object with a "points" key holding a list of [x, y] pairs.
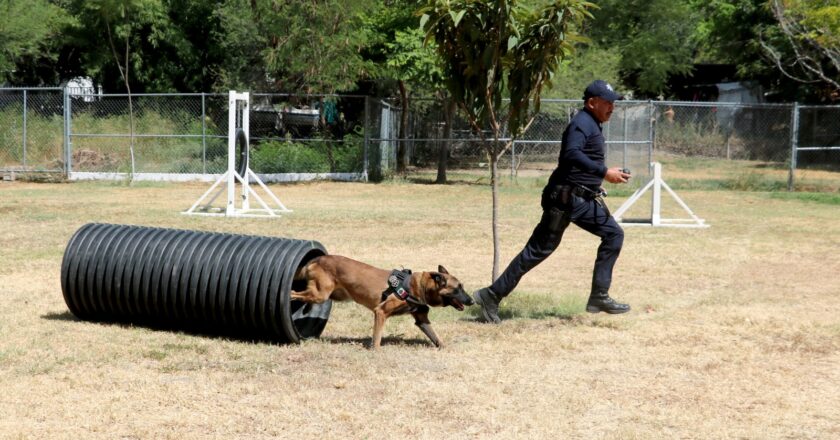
{"points": [[575, 140]]}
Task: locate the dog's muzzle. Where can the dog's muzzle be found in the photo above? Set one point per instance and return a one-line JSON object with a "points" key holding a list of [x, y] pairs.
{"points": [[458, 300]]}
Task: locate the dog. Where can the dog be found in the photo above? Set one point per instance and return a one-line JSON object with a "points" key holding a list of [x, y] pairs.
{"points": [[386, 293]]}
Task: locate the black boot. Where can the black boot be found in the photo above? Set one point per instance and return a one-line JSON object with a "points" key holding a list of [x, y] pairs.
{"points": [[600, 301], [489, 303]]}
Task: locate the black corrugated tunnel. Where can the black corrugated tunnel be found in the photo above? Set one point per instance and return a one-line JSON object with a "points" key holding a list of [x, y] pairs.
{"points": [[224, 283]]}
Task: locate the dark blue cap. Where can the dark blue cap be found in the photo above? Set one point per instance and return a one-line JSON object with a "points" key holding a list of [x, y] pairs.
{"points": [[601, 89]]}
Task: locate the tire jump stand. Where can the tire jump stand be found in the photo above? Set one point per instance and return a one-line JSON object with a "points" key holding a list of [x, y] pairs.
{"points": [[656, 184], [238, 136]]}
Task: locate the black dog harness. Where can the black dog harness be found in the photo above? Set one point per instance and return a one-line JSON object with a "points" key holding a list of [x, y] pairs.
{"points": [[399, 285]]}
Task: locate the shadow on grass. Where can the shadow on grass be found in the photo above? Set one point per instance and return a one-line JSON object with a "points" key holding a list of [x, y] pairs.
{"points": [[63, 316], [386, 340], [514, 312], [190, 329], [449, 182]]}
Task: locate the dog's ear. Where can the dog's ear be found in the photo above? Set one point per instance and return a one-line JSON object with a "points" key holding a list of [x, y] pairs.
{"points": [[442, 269], [440, 280]]}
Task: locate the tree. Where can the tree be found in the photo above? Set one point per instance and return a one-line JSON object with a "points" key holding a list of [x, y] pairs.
{"points": [[26, 31], [656, 39], [492, 49], [295, 46], [124, 23], [172, 44], [399, 55], [810, 30], [589, 63]]}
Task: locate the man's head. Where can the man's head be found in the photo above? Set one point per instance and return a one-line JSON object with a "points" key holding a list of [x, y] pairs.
{"points": [[599, 98]]}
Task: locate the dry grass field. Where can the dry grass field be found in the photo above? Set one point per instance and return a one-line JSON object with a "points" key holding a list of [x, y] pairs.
{"points": [[734, 333]]}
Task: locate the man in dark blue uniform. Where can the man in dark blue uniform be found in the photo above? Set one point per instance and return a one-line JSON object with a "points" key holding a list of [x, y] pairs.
{"points": [[573, 195]]}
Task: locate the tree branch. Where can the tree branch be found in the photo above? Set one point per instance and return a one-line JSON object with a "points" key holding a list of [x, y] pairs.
{"points": [[796, 36]]}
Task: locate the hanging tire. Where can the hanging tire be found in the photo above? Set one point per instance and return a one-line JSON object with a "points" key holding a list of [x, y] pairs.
{"points": [[243, 154]]}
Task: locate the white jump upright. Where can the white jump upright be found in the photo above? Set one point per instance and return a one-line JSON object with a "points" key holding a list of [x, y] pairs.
{"points": [[238, 120], [657, 183]]}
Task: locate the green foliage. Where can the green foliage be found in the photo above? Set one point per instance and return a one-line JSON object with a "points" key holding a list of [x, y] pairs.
{"points": [[588, 64], [656, 39], [410, 60], [396, 48], [310, 157], [302, 46], [490, 50], [816, 197], [806, 47], [44, 138], [728, 33], [820, 18], [288, 157], [26, 30]]}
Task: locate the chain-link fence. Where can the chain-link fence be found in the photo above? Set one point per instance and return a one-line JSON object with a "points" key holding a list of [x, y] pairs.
{"points": [[433, 133], [151, 133], [757, 143], [184, 136], [178, 136], [32, 124], [760, 142], [308, 133], [760, 133], [817, 146]]}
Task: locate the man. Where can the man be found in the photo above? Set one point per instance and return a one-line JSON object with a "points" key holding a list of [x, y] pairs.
{"points": [[573, 195]]}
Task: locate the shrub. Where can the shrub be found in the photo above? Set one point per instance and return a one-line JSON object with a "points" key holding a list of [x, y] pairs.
{"points": [[288, 157]]}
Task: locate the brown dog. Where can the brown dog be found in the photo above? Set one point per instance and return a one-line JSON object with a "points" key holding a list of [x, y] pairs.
{"points": [[340, 279]]}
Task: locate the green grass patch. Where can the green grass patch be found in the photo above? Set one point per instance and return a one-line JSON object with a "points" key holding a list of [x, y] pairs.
{"points": [[823, 198], [538, 306]]}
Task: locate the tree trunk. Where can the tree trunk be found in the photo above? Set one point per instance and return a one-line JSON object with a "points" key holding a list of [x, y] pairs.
{"points": [[443, 156], [402, 154], [494, 183], [130, 113], [124, 72]]}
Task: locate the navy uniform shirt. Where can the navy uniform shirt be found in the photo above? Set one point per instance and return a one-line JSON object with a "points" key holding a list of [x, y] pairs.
{"points": [[581, 160]]}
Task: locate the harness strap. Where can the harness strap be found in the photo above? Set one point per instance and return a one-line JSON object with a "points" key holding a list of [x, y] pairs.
{"points": [[399, 285]]}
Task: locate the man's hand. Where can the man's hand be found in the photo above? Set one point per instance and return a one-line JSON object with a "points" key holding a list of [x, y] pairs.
{"points": [[616, 175]]}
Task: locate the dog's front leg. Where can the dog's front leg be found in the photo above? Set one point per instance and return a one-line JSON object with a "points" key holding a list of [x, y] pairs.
{"points": [[379, 317], [421, 319]]}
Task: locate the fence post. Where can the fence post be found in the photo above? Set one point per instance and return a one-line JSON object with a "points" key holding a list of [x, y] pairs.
{"points": [[794, 143], [624, 129], [67, 146], [203, 135], [367, 139], [651, 133], [513, 159], [24, 129]]}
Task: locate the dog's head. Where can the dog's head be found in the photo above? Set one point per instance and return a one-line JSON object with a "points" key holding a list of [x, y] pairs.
{"points": [[445, 290]]}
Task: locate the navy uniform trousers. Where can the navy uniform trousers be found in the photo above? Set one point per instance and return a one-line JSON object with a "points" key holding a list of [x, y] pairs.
{"points": [[587, 214]]}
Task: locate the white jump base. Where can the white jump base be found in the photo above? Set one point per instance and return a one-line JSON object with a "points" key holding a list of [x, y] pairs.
{"points": [[655, 185]]}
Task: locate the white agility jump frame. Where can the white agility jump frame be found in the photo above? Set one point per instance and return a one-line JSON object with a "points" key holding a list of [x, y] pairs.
{"points": [[238, 119], [656, 184]]}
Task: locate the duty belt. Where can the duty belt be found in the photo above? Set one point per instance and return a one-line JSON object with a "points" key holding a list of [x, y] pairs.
{"points": [[562, 192], [586, 193]]}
